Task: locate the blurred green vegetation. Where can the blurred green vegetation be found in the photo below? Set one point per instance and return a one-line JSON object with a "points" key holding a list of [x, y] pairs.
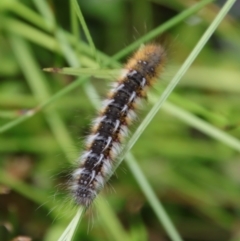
{"points": [[44, 118]]}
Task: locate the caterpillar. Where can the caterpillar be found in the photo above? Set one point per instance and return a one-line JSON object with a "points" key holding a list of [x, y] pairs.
{"points": [[109, 129]]}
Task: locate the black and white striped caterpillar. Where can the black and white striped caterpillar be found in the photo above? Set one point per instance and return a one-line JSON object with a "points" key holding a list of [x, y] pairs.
{"points": [[110, 128]]}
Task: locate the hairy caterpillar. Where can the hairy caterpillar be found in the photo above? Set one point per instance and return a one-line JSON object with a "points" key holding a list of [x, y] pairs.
{"points": [[110, 128]]}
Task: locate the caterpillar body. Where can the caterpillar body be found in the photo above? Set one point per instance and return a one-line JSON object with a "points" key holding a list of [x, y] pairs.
{"points": [[109, 129]]}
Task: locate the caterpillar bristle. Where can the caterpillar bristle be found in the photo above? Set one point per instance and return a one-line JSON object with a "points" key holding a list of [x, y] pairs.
{"points": [[109, 129]]}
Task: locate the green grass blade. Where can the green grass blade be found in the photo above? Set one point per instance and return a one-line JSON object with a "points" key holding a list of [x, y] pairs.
{"points": [[39, 86], [74, 22], [161, 29], [45, 12], [110, 222], [202, 126], [85, 28], [152, 198], [68, 233], [93, 72], [43, 105]]}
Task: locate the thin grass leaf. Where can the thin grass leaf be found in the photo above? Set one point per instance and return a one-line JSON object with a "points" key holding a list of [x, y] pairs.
{"points": [[31, 33], [85, 28], [161, 29], [68, 233], [202, 125], [74, 22], [28, 14], [30, 113], [10, 114], [152, 198], [111, 224], [218, 77], [93, 72], [46, 12], [41, 90]]}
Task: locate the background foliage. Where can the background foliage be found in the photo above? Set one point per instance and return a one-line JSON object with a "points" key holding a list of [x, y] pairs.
{"points": [[195, 176]]}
